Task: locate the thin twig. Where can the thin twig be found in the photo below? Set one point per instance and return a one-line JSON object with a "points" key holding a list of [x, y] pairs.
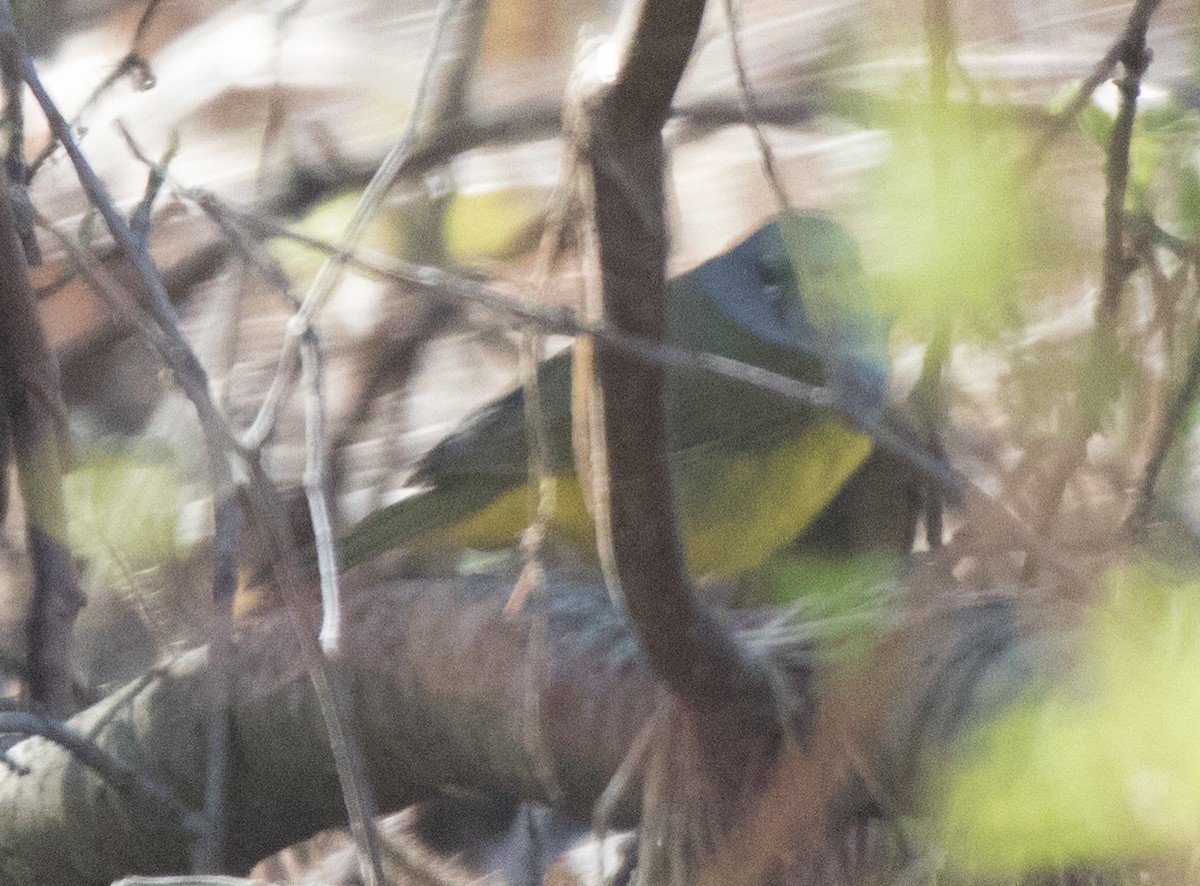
{"points": [[190, 375], [939, 30], [284, 19], [368, 205], [15, 168], [334, 703], [132, 63], [139, 219], [208, 853], [227, 524], [123, 779], [1102, 357], [1133, 35], [1168, 433], [328, 679], [750, 110], [437, 283], [314, 491], [540, 468]]}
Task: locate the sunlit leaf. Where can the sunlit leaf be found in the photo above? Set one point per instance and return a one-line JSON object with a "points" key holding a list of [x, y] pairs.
{"points": [[1106, 766], [488, 224], [954, 227], [123, 509]]}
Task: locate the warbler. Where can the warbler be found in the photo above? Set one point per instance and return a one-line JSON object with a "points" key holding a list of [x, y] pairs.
{"points": [[750, 470]]}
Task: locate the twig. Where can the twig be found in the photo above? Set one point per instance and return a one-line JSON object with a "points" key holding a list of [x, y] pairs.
{"points": [[1133, 35], [191, 377], [126, 781], [314, 490], [327, 678], [1135, 58], [227, 527], [1099, 366], [437, 283], [284, 18], [132, 63], [1168, 433], [334, 703], [15, 168], [372, 198], [939, 30], [750, 111], [545, 494], [139, 219], [929, 396], [227, 537]]}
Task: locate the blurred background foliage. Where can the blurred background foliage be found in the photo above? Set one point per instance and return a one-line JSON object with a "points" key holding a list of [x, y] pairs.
{"points": [[1101, 767], [284, 109]]}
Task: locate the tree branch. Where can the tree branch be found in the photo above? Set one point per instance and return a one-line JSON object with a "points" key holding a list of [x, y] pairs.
{"points": [[35, 416]]}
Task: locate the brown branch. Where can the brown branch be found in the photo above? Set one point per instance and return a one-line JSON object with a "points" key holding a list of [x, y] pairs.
{"points": [[622, 141], [127, 781], [35, 417], [1132, 37], [437, 666], [1168, 433]]}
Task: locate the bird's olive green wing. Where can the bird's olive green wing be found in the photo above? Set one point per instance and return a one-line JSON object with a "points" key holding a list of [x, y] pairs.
{"points": [[745, 304]]}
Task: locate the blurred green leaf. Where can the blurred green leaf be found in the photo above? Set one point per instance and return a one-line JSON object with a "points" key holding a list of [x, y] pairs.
{"points": [[486, 225], [327, 221], [1104, 768], [123, 509], [1189, 201], [844, 603], [954, 228]]}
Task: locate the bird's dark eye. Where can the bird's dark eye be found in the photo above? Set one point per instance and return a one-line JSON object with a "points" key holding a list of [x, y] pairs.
{"points": [[776, 281], [776, 272]]}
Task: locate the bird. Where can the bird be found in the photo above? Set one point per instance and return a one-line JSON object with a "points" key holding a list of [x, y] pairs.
{"points": [[750, 470]]}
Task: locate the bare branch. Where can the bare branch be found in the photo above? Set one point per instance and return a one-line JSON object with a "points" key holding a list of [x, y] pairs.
{"points": [[1097, 380], [133, 65], [621, 138], [429, 93], [35, 416], [191, 376], [1132, 36]]}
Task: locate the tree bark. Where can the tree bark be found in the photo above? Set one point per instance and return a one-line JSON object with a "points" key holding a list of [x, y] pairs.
{"points": [[437, 676], [441, 680]]}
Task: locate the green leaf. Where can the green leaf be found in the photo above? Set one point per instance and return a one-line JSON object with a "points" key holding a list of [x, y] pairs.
{"points": [[123, 509], [1105, 766], [955, 230], [488, 224]]}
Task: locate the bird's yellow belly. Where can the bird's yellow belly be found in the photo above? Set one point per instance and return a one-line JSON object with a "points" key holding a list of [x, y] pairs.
{"points": [[734, 511]]}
